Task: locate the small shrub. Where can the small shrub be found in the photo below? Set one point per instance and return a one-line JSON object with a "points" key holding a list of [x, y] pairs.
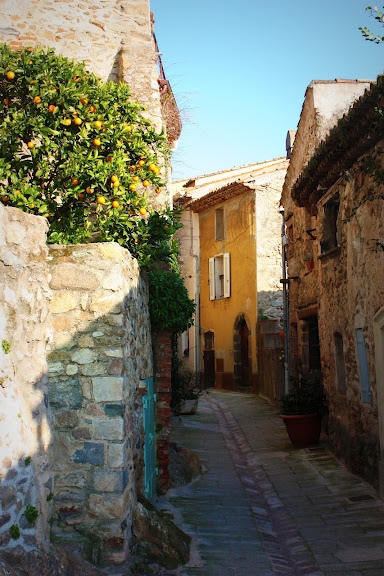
{"points": [[31, 513], [306, 396], [6, 346], [14, 532]]}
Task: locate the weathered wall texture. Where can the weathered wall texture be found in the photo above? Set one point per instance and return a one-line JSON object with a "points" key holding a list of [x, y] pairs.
{"points": [[25, 421], [351, 293], [112, 38], [334, 303], [100, 352], [268, 244], [324, 103], [76, 345]]}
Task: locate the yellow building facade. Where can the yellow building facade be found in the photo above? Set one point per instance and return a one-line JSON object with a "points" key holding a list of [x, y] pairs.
{"points": [[230, 248]]}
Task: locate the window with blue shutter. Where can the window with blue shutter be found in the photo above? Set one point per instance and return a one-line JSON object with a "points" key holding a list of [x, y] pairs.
{"points": [[363, 367]]}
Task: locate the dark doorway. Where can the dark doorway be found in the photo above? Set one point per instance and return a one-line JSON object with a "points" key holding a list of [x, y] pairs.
{"points": [[242, 362], [209, 360], [244, 333]]}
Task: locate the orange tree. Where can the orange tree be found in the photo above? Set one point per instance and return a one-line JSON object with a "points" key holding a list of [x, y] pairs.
{"points": [[79, 152]]}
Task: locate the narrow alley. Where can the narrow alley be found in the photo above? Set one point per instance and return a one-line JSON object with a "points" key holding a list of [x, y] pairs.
{"points": [[261, 508]]}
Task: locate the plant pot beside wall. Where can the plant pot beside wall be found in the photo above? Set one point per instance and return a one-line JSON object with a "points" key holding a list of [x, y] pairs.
{"points": [[301, 410], [189, 406]]}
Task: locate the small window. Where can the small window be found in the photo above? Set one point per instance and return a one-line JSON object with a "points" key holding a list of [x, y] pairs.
{"points": [[219, 277], [363, 367], [219, 219], [209, 340], [340, 365], [330, 231]]}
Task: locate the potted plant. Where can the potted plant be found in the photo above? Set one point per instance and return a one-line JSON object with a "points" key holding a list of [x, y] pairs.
{"points": [[186, 389], [301, 410]]}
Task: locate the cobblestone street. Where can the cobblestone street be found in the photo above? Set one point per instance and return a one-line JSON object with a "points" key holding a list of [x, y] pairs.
{"points": [[262, 508]]}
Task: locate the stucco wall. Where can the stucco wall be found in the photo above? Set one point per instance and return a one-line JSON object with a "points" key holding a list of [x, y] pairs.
{"points": [[268, 245], [220, 315], [25, 421]]}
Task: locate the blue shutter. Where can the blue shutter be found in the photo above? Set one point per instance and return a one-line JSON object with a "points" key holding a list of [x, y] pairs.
{"points": [[149, 445], [363, 367]]}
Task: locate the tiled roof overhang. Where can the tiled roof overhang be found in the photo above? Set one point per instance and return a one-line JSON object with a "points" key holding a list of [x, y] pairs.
{"points": [[355, 133], [229, 191]]}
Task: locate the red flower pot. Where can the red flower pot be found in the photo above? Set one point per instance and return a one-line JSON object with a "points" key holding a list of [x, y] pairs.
{"points": [[303, 429]]}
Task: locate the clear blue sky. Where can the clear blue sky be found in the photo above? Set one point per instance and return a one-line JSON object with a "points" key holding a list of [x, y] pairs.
{"points": [[239, 70]]}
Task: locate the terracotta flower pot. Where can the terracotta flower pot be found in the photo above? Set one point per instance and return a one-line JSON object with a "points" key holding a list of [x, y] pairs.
{"points": [[303, 429]]}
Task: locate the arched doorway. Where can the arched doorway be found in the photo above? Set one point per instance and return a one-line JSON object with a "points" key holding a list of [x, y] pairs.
{"points": [[242, 357]]}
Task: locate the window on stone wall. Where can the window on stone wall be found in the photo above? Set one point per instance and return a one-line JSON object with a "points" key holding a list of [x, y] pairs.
{"points": [[219, 277], [219, 221], [340, 364], [363, 367], [330, 227], [310, 345]]}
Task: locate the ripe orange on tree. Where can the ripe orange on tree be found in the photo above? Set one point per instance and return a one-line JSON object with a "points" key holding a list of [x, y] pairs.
{"points": [[75, 181], [92, 108], [10, 74], [30, 145], [101, 200], [132, 187], [97, 142], [146, 183], [37, 99], [141, 162], [83, 100], [77, 121], [89, 190], [114, 178], [97, 124], [52, 108], [81, 195], [143, 211], [135, 178], [115, 204], [67, 121]]}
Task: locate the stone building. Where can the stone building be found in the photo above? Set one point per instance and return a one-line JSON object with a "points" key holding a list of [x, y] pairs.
{"points": [[230, 247], [333, 210]]}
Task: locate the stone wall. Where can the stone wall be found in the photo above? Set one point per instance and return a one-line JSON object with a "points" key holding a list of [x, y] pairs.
{"points": [[25, 421], [114, 39], [351, 294], [100, 352], [76, 345]]}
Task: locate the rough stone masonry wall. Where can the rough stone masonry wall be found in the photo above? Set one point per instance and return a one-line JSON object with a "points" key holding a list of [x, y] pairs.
{"points": [[100, 353], [112, 37], [25, 422]]}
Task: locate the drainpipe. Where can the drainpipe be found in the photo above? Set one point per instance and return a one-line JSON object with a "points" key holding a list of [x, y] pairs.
{"points": [[285, 282], [197, 298]]}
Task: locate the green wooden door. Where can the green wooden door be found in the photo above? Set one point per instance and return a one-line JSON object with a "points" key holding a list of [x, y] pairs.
{"points": [[149, 446]]}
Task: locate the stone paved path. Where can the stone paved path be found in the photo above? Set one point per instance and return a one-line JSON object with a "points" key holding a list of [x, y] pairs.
{"points": [[262, 508]]}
